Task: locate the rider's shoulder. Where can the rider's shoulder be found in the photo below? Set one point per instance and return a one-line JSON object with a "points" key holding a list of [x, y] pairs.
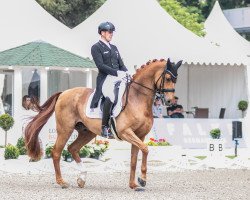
{"points": [[96, 44], [113, 46]]}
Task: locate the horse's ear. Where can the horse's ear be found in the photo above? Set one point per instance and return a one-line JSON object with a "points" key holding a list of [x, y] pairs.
{"points": [[178, 65], [169, 65]]}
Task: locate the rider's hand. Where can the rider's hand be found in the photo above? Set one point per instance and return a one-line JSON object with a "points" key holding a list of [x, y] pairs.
{"points": [[121, 74]]}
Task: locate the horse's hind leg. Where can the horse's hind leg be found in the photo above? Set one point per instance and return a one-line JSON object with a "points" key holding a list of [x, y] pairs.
{"points": [[63, 134], [84, 137]]}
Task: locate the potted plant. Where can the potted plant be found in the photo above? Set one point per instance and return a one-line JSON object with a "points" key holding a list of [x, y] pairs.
{"points": [[6, 122], [67, 156], [84, 152], [215, 133], [21, 146], [242, 105], [11, 152], [160, 142], [161, 149], [48, 150]]}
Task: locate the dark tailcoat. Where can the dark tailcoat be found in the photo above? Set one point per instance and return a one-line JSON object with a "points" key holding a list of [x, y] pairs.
{"points": [[108, 62]]}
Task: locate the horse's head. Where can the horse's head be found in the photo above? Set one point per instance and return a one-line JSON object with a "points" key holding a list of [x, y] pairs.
{"points": [[165, 82]]}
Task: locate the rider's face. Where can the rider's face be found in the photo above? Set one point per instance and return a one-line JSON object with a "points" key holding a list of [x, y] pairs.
{"points": [[107, 35]]}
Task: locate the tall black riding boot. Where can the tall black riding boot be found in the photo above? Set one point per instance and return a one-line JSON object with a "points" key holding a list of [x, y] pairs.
{"points": [[107, 107]]}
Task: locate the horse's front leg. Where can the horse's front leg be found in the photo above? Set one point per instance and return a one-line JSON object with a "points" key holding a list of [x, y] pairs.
{"points": [[142, 180], [137, 144]]}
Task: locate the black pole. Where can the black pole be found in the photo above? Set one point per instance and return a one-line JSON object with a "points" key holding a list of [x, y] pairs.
{"points": [[235, 149]]}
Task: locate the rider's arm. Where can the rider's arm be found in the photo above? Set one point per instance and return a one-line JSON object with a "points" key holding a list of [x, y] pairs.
{"points": [[97, 57]]}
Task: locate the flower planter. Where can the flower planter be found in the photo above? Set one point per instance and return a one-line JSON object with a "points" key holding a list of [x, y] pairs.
{"points": [[162, 153]]}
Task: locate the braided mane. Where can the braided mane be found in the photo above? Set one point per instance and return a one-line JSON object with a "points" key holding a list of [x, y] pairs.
{"points": [[148, 64]]}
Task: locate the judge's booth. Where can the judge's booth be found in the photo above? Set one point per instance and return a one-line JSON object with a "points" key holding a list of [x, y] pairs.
{"points": [[217, 89]]}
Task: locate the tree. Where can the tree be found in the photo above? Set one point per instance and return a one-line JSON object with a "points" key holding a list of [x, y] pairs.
{"points": [[189, 20], [194, 6], [225, 4], [6, 122], [71, 13]]}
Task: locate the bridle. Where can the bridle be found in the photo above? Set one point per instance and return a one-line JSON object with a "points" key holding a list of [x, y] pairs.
{"points": [[156, 91], [160, 90]]}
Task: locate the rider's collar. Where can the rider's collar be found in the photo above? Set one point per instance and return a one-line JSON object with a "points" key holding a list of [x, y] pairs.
{"points": [[105, 42]]}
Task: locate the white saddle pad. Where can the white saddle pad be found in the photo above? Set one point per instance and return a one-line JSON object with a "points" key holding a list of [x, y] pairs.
{"points": [[97, 113]]}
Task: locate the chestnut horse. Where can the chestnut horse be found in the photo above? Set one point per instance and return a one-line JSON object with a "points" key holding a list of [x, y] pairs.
{"points": [[133, 123]]}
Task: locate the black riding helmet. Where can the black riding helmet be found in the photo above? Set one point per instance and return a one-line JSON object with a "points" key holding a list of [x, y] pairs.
{"points": [[106, 26]]}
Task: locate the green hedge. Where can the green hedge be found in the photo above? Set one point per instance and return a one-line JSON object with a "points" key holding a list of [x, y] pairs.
{"points": [[21, 146], [11, 152]]}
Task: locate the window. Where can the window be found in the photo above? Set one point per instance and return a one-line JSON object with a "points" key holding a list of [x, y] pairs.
{"points": [[6, 92], [60, 80]]}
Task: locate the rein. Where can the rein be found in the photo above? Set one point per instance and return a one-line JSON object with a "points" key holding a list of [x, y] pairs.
{"points": [[159, 91]]}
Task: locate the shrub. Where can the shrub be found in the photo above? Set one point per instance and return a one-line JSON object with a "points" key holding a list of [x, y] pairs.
{"points": [[6, 122], [48, 151], [215, 133], [97, 152], [92, 151], [21, 146], [11, 152], [84, 152], [242, 105], [66, 155]]}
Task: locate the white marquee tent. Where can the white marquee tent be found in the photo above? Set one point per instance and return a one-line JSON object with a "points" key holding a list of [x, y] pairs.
{"points": [[219, 31], [25, 21], [145, 31]]}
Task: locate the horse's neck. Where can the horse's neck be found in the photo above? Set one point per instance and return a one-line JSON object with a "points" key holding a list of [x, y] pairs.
{"points": [[140, 94]]}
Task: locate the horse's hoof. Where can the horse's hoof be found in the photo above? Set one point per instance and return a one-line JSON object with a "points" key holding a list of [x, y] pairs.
{"points": [[81, 182], [64, 185], [141, 182], [139, 189]]}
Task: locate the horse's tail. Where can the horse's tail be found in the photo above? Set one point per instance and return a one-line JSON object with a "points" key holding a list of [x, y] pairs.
{"points": [[34, 127]]}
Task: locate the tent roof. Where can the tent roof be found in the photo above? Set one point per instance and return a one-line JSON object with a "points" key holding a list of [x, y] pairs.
{"points": [[42, 54], [144, 30], [25, 21], [220, 32]]}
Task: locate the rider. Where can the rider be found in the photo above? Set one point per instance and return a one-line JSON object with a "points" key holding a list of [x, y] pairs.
{"points": [[108, 61]]}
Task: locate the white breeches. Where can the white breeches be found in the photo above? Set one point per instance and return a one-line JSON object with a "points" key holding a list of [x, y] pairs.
{"points": [[109, 85]]}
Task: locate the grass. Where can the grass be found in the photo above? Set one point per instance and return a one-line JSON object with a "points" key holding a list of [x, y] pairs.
{"points": [[203, 157], [231, 156]]}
